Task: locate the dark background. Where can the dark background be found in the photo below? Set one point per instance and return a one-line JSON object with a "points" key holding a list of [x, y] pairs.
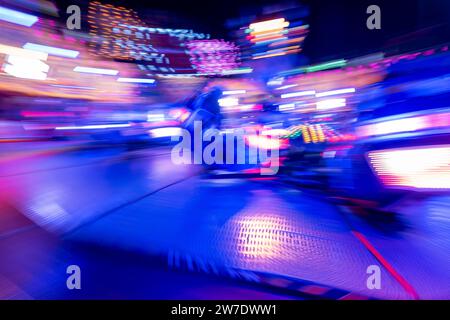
{"points": [[337, 27]]}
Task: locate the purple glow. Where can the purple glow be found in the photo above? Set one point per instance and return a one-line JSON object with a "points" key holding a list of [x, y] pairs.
{"points": [[213, 56]]}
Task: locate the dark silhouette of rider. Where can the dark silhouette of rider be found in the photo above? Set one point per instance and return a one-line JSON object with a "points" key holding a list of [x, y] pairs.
{"points": [[205, 108]]}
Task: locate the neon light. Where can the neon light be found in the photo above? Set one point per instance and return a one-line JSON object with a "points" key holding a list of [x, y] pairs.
{"points": [[305, 133], [320, 133], [263, 142], [41, 114], [410, 124], [248, 107], [232, 92], [298, 94], [335, 92], [228, 102], [286, 107], [289, 41], [275, 132], [268, 39], [155, 117], [212, 56], [275, 82], [325, 66], [96, 70], [17, 17], [237, 71], [269, 55], [269, 25], [72, 87], [273, 34], [14, 51], [100, 126], [165, 132], [136, 80], [263, 34], [330, 104], [286, 86], [26, 68], [52, 50], [418, 167]]}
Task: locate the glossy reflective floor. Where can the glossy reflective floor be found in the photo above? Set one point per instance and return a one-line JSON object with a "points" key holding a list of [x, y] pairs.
{"points": [[141, 227]]}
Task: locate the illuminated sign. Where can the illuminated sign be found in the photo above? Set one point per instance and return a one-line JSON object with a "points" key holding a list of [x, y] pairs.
{"points": [[272, 38], [23, 63], [213, 56], [118, 33]]}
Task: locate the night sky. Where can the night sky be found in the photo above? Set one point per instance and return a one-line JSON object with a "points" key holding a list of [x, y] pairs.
{"points": [[337, 27]]}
